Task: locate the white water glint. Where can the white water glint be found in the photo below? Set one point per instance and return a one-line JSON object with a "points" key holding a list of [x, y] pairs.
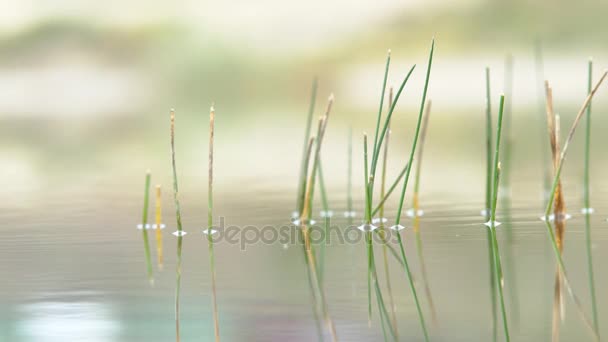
{"points": [[397, 227], [414, 213], [326, 214], [350, 214], [179, 233], [586, 211], [552, 217], [377, 220], [206, 231], [141, 226], [297, 222], [491, 224], [367, 227], [59, 321]]}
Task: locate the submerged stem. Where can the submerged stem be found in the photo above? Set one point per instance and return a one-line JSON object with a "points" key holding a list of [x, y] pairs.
{"points": [[144, 229], [178, 217]]}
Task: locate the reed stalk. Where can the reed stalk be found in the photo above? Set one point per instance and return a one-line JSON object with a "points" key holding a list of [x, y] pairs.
{"points": [[306, 216], [304, 162], [372, 276], [179, 233], [316, 310], [159, 233], [216, 324], [498, 274], [326, 223], [587, 204], [506, 176], [553, 240], [382, 227], [559, 211], [540, 81], [403, 190], [349, 177], [493, 299], [144, 229], [416, 210]]}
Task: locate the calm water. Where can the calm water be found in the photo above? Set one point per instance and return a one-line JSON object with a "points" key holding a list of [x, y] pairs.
{"points": [[73, 269], [73, 265]]}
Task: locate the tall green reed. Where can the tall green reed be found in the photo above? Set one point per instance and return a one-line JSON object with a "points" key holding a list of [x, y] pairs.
{"points": [[401, 201], [587, 203], [303, 163], [498, 274], [511, 280], [382, 227], [416, 212], [487, 210]]}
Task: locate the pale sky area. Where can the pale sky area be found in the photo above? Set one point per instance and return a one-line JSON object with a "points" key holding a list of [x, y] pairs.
{"points": [[263, 23]]}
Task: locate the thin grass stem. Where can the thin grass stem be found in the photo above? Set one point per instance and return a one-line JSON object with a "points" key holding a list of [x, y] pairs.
{"points": [[540, 79], [178, 217], [306, 216], [303, 163], [216, 323], [506, 176], [382, 230], [415, 210], [402, 199], [588, 204], [493, 299], [326, 223], [498, 275], [144, 229], [159, 233]]}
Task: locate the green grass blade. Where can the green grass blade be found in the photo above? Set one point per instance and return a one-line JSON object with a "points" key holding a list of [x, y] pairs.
{"points": [[388, 62], [402, 199], [489, 145], [144, 230], [390, 190], [376, 152], [506, 177], [588, 205], [498, 276], [326, 223], [368, 240], [304, 163]]}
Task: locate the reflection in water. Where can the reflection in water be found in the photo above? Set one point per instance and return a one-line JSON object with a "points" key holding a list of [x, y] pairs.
{"points": [[56, 320]]}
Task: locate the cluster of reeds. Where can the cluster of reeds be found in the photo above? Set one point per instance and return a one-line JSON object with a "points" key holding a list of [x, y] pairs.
{"points": [[304, 211], [556, 204], [370, 176]]}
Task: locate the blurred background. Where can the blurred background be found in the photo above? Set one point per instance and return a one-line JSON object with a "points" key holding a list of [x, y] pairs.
{"points": [[85, 93]]}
